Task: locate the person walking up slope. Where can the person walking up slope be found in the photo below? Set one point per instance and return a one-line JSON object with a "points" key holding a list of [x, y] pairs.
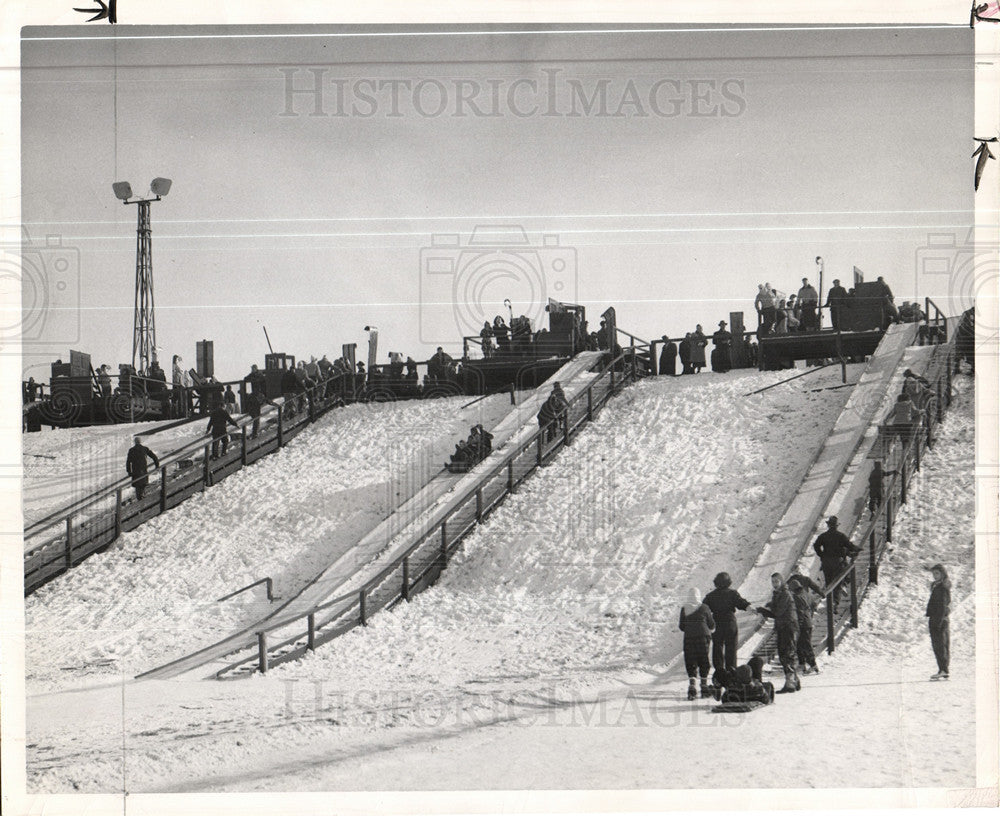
{"points": [[697, 624], [938, 611]]}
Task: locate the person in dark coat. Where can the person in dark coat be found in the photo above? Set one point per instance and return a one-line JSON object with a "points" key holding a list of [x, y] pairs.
{"points": [[136, 465], [685, 353], [217, 422], [696, 623], [668, 357], [501, 332], [724, 601], [937, 613], [835, 551], [552, 412], [698, 343], [781, 608], [837, 300], [722, 341], [806, 593]]}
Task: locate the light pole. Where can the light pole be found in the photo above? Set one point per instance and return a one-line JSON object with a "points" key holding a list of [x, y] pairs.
{"points": [[144, 323], [819, 311], [372, 350]]}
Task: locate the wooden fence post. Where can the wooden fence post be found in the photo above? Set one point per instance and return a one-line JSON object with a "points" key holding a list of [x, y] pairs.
{"points": [[163, 489], [538, 453], [281, 440], [208, 466], [888, 518], [479, 503], [243, 450], [872, 562], [362, 608], [902, 478], [444, 544], [118, 512], [311, 641], [590, 403], [69, 542], [262, 652], [510, 476], [829, 623], [406, 578], [854, 597]]}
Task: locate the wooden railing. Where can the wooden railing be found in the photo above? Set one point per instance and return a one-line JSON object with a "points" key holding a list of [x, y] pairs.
{"points": [[423, 561], [66, 537], [899, 458]]}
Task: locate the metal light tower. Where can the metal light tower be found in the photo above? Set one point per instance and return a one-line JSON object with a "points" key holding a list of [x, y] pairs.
{"points": [[144, 323]]}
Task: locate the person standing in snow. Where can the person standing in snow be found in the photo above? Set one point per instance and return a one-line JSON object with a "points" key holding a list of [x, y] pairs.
{"points": [[723, 341], [668, 357], [724, 601], [835, 551], [696, 623], [698, 343], [937, 614], [781, 607], [805, 592], [685, 353], [136, 465]]}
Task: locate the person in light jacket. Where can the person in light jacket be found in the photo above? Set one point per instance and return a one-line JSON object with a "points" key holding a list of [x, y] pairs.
{"points": [[937, 613], [696, 623]]}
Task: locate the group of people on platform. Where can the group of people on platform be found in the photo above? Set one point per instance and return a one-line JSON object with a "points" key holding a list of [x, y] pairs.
{"points": [[518, 339], [470, 452], [778, 314]]}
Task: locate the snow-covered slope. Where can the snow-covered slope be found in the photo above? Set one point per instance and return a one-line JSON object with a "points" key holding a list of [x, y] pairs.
{"points": [[547, 677]]}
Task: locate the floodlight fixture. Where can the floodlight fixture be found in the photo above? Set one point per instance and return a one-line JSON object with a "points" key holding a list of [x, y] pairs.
{"points": [[160, 186], [123, 190]]}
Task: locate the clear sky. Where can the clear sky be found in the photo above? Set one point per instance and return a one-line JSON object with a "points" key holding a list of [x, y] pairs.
{"points": [[666, 173]]}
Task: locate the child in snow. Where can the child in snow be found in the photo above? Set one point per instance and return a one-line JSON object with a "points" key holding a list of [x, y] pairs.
{"points": [[806, 594], [697, 624], [938, 608], [745, 684]]}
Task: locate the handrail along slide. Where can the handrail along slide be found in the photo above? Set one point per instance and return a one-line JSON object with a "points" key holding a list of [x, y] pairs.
{"points": [[69, 535], [899, 460], [422, 562]]}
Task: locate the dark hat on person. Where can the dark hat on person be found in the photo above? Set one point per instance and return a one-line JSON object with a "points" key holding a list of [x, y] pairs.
{"points": [[831, 522], [722, 322]]}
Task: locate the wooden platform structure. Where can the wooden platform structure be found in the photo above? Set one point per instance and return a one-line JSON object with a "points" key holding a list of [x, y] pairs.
{"points": [[781, 350]]}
